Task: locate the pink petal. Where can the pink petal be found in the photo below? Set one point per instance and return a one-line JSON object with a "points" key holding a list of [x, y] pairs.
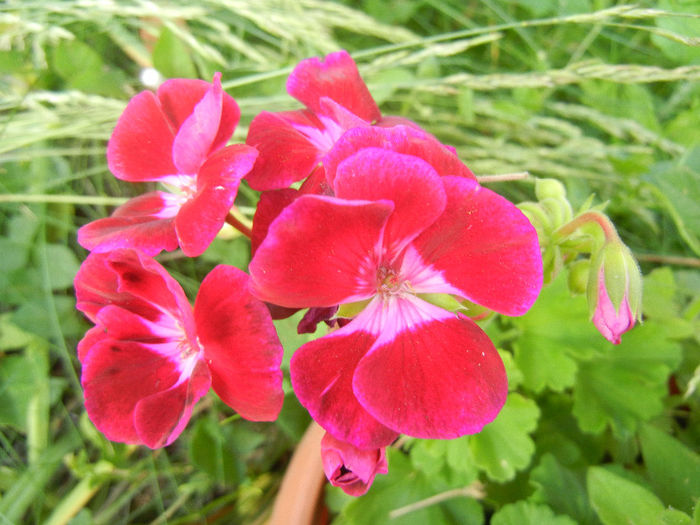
{"points": [[201, 217], [335, 77], [611, 323], [321, 373], [318, 252], [140, 148], [196, 135], [240, 345], [401, 139], [286, 154], [485, 247], [409, 182], [430, 374], [269, 206], [116, 377], [180, 96], [160, 418], [144, 222]]}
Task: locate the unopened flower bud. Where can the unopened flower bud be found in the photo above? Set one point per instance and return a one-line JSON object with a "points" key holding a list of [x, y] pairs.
{"points": [[578, 276], [549, 189], [350, 468], [614, 290]]}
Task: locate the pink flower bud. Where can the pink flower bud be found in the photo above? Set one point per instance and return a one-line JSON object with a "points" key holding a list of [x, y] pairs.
{"points": [[615, 291], [351, 468]]}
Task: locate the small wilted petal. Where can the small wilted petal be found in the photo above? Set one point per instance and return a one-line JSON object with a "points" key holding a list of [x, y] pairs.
{"points": [[350, 468]]}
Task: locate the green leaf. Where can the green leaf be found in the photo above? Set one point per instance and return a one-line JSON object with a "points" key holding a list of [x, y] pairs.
{"points": [[674, 470], [72, 58], [677, 187], [293, 419], [626, 385], [659, 294], [554, 333], [17, 382], [62, 266], [678, 52], [504, 446], [234, 252], [562, 489], [515, 376], [617, 500], [525, 513], [213, 454], [675, 517], [401, 498], [171, 57]]}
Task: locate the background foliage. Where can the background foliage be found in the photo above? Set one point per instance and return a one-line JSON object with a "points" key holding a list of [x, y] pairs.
{"points": [[600, 95]]}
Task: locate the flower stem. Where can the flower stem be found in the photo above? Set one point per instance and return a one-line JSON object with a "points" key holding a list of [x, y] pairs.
{"points": [[590, 216], [244, 229], [502, 177]]}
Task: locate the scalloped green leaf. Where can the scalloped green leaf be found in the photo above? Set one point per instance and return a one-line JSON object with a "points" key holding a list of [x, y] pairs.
{"points": [[504, 446], [617, 500], [563, 489], [627, 384], [526, 513], [405, 496], [674, 469], [554, 333]]}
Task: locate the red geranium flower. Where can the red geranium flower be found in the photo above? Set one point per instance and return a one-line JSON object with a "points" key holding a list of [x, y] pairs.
{"points": [[394, 231], [177, 137], [293, 143], [151, 356]]}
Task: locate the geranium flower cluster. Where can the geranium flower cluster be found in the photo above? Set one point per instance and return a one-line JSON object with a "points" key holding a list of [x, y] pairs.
{"points": [[383, 236]]}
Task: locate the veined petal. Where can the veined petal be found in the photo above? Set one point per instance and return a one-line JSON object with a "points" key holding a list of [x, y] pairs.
{"points": [[321, 373], [430, 374], [144, 222], [409, 140], [240, 345], [335, 77], [196, 134], [201, 217], [117, 376], [179, 96], [286, 154], [409, 182], [485, 247], [140, 148], [320, 251]]}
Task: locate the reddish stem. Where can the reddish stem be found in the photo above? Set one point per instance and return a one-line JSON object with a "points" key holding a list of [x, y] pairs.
{"points": [[590, 216], [239, 225]]}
